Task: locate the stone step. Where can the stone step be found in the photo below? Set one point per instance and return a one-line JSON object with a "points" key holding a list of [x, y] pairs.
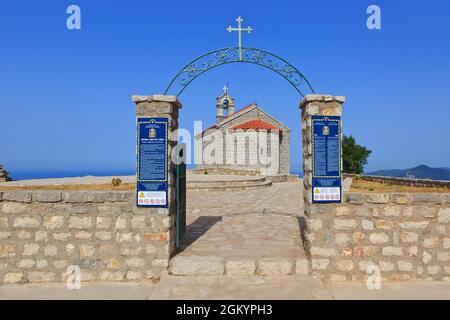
{"points": [[196, 265], [218, 182], [228, 186]]}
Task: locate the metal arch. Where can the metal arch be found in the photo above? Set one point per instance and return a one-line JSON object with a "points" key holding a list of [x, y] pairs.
{"points": [[223, 56]]}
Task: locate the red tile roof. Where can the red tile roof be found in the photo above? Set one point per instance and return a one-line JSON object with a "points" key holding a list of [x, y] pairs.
{"points": [[255, 124]]}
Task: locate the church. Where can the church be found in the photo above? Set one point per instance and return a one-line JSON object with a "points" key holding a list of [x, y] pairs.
{"points": [[247, 139]]}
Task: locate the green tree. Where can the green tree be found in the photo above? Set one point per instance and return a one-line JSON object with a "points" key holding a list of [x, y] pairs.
{"points": [[354, 155]]}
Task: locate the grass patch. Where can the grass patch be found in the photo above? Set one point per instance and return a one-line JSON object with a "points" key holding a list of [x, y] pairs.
{"points": [[93, 187], [360, 185]]}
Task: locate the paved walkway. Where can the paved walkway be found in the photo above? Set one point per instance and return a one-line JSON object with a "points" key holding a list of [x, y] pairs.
{"points": [[244, 226], [234, 288]]}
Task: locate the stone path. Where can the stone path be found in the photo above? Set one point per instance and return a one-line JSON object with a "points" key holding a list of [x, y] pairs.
{"points": [[240, 288], [233, 288], [257, 232]]}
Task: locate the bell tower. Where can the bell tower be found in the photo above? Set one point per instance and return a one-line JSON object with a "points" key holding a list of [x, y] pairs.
{"points": [[224, 105]]}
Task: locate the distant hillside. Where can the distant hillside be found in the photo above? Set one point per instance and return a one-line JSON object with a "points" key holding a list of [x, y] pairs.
{"points": [[420, 172]]}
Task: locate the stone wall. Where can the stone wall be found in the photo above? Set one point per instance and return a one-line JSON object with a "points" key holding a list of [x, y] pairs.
{"points": [[104, 233], [408, 182], [406, 235]]}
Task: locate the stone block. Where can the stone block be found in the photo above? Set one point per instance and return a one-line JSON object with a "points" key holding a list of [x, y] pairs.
{"points": [[320, 264], [354, 198], [103, 222], [386, 266], [5, 235], [13, 277], [342, 239], [342, 211], [138, 222], [76, 196], [426, 198], [444, 215], [61, 264], [426, 257], [80, 222], [443, 256], [30, 249], [433, 270], [3, 222], [345, 224], [302, 267], [392, 251], [15, 208], [338, 278], [367, 225], [409, 237], [378, 238], [54, 222], [40, 236], [378, 198], [121, 223], [26, 222], [50, 251], [366, 251], [400, 198], [431, 242], [103, 235], [197, 265], [41, 276], [240, 267], [323, 252], [86, 250], [135, 262], [156, 236], [118, 196], [405, 266], [344, 265], [82, 235], [414, 225], [23, 235], [134, 275], [96, 196], [17, 196], [413, 251], [364, 265], [47, 196], [62, 236], [446, 243], [384, 224], [25, 264], [275, 266]]}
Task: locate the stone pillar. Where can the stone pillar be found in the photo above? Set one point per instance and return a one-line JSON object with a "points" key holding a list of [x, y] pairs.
{"points": [[319, 245], [162, 219]]}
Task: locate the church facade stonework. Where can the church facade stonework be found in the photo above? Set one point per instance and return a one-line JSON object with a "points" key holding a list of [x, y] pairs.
{"points": [[247, 139]]}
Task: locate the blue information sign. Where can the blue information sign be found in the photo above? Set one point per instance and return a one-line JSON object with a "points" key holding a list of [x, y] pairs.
{"points": [[152, 183], [326, 159]]}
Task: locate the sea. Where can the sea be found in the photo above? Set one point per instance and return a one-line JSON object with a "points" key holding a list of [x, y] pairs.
{"points": [[47, 174]]}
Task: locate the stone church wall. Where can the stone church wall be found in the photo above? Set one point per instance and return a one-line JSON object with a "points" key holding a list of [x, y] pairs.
{"points": [[236, 156]]}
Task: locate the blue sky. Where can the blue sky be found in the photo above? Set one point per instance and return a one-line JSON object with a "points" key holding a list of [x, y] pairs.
{"points": [[65, 96]]}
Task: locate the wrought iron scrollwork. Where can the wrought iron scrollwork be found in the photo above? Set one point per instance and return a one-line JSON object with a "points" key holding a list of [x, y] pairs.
{"points": [[236, 55]]}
